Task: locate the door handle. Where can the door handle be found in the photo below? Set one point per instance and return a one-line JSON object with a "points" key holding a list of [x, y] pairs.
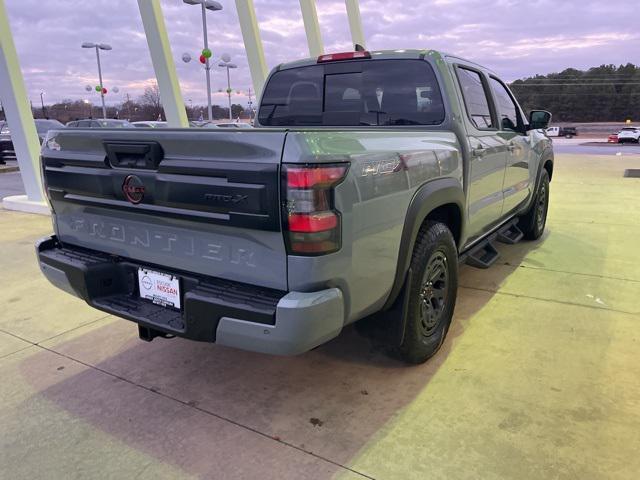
{"points": [[143, 155], [479, 151]]}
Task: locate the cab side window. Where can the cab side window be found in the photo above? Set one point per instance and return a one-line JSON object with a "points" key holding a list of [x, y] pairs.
{"points": [[507, 110], [475, 98]]}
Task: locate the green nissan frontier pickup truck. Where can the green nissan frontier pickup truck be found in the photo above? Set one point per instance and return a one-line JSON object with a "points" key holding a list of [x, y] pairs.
{"points": [[369, 177]]}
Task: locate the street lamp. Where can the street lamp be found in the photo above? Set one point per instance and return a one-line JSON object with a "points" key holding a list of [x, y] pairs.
{"points": [[98, 47], [213, 6], [190, 108], [248, 93], [88, 104], [226, 63], [44, 112]]}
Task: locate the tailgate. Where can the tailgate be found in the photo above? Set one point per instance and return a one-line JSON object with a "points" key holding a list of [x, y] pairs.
{"points": [[194, 200]]}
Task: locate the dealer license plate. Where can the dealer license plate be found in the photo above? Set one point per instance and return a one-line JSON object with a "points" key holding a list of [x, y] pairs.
{"points": [[161, 288]]}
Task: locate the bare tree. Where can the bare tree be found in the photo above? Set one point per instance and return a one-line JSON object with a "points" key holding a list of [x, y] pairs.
{"points": [[151, 103]]}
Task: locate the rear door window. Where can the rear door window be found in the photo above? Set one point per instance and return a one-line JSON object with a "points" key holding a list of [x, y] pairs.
{"points": [[476, 98], [507, 110], [369, 92]]}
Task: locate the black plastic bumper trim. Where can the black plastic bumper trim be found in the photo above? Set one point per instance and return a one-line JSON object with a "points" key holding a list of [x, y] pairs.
{"points": [[109, 283]]}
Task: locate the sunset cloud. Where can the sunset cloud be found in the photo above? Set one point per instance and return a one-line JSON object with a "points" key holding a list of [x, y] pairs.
{"points": [[513, 37]]}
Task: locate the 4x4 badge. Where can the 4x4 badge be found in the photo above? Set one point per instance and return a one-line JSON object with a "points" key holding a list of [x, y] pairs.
{"points": [[133, 189]]}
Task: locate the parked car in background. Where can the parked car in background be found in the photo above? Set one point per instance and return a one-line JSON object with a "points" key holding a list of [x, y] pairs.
{"points": [[6, 145], [226, 125], [146, 124], [234, 125], [100, 123], [7, 151], [567, 132], [613, 138], [629, 135], [43, 125]]}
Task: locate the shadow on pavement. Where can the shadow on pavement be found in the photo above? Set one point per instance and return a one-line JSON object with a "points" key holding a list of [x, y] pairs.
{"points": [[331, 401]]}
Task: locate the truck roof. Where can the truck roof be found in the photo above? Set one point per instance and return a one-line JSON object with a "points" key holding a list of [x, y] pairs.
{"points": [[408, 53]]}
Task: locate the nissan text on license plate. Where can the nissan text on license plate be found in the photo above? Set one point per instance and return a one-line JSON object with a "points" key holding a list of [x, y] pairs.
{"points": [[161, 288]]}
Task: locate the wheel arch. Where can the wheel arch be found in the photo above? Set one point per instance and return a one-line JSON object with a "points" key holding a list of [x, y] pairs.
{"points": [[545, 163], [442, 200], [548, 166]]}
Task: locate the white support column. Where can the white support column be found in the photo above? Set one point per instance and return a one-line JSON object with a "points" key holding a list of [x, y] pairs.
{"points": [[312, 27], [355, 22], [162, 59], [252, 44], [17, 108]]}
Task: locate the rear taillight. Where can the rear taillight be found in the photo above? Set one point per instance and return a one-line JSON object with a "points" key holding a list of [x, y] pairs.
{"points": [[311, 222]]}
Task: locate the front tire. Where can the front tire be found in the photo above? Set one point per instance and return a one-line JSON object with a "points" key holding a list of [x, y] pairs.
{"points": [[533, 222], [432, 293]]}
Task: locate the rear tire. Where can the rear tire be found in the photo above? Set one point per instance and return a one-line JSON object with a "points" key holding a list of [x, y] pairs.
{"points": [[432, 293], [533, 222]]}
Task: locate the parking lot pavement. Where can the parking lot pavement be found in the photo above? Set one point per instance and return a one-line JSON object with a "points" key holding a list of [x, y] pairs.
{"points": [[593, 146], [537, 378], [10, 184]]}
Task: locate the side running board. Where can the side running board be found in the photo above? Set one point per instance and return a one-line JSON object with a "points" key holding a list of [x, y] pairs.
{"points": [[485, 254], [510, 233]]}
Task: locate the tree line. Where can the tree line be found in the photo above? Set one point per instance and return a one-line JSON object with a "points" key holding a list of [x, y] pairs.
{"points": [[600, 94]]}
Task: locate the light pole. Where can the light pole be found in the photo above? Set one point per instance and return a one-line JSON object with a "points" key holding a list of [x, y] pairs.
{"points": [[250, 103], [226, 62], [98, 47], [88, 104], [213, 6], [44, 112]]}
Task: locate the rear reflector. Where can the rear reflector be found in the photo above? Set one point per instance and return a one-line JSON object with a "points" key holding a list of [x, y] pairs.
{"points": [[334, 57], [312, 222]]}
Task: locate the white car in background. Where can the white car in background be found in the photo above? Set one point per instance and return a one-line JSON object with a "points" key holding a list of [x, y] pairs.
{"points": [[148, 124], [567, 132], [234, 125], [629, 135]]}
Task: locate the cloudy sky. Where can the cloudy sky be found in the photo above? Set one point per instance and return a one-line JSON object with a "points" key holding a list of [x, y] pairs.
{"points": [[516, 38]]}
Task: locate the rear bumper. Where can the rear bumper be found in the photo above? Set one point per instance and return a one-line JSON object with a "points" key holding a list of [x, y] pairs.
{"points": [[228, 313]]}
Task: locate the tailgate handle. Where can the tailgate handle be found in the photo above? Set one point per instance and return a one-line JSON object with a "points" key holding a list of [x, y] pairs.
{"points": [[144, 155]]}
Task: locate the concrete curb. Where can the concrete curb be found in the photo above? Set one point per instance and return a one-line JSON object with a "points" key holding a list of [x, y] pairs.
{"points": [[8, 168], [21, 203]]}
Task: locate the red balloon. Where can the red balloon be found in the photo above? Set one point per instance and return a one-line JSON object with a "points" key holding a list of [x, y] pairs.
{"points": [[203, 59], [104, 91]]}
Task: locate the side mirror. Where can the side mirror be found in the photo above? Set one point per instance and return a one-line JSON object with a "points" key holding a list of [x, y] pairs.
{"points": [[539, 119]]}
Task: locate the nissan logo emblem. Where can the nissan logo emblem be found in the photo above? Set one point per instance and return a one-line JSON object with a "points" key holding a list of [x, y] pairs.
{"points": [[133, 189]]}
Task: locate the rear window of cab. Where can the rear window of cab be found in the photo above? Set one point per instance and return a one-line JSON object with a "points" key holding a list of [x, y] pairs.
{"points": [[354, 93]]}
